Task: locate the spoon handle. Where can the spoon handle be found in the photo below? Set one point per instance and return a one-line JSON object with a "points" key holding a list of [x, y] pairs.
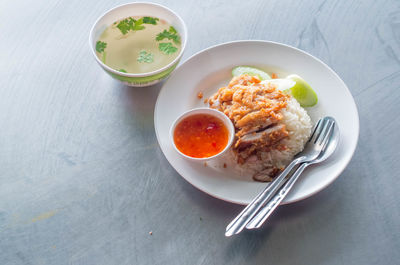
{"points": [[265, 212], [244, 217]]}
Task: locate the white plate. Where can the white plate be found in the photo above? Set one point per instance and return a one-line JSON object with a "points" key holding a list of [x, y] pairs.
{"points": [[210, 69]]}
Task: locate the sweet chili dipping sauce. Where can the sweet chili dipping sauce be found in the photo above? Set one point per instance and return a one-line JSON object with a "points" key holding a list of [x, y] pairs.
{"points": [[201, 135]]}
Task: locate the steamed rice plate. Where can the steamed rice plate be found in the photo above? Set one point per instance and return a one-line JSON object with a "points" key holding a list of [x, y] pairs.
{"points": [[270, 125]]}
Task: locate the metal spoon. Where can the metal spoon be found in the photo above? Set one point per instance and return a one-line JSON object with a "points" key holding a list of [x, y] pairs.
{"points": [[311, 151], [265, 212]]}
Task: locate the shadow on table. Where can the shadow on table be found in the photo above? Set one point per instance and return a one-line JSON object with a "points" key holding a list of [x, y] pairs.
{"points": [[249, 242], [229, 210], [138, 104], [140, 100]]}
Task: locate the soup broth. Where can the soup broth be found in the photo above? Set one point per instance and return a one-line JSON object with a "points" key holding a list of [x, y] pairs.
{"points": [[138, 45]]}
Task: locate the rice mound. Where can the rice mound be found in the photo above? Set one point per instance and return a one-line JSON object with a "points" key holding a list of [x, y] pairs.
{"points": [[298, 124]]}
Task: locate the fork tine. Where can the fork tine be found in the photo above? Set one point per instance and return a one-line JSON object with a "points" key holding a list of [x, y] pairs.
{"points": [[320, 130], [328, 134], [316, 130], [325, 135], [322, 133]]}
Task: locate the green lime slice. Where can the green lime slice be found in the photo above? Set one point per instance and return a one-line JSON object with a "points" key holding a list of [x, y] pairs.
{"points": [[303, 92], [241, 70]]}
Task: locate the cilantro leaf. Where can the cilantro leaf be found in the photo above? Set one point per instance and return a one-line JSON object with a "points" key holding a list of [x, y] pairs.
{"points": [[104, 57], [162, 35], [145, 57], [171, 35], [100, 46], [172, 30], [129, 24], [124, 26], [167, 48], [122, 70], [138, 25], [150, 20], [139, 21]]}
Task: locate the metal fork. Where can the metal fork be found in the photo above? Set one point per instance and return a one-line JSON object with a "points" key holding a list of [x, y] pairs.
{"points": [[329, 143], [311, 151]]}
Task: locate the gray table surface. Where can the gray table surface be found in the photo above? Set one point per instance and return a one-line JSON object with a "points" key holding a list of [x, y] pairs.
{"points": [[83, 180]]}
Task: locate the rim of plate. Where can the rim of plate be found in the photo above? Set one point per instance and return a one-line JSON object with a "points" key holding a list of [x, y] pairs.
{"points": [[301, 197]]}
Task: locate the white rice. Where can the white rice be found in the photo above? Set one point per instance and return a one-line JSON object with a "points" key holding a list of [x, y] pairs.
{"points": [[298, 124]]}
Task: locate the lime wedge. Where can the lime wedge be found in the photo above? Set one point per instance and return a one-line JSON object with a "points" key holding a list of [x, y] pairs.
{"points": [[241, 70], [283, 85], [303, 92]]}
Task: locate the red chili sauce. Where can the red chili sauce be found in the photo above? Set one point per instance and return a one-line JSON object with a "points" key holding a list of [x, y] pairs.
{"points": [[201, 135]]}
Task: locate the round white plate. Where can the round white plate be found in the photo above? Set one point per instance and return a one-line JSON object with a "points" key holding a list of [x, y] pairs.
{"points": [[210, 69]]}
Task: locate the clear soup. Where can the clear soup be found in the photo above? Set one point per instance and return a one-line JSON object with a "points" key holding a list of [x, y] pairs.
{"points": [[138, 45]]}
